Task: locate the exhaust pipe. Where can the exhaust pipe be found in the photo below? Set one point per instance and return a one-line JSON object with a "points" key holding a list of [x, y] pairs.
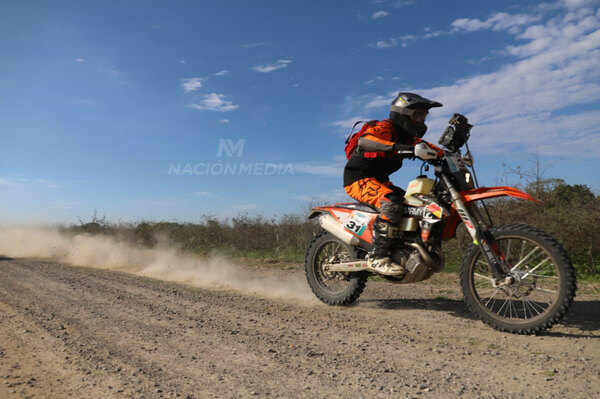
{"points": [[332, 225]]}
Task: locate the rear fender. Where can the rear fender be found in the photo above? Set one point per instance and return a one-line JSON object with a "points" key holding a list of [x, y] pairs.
{"points": [[340, 216]]}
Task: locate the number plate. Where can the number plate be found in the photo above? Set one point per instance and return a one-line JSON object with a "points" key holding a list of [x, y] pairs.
{"points": [[454, 163], [357, 223]]}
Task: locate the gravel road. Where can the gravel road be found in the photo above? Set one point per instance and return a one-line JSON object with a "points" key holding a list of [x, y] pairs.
{"points": [[85, 333]]}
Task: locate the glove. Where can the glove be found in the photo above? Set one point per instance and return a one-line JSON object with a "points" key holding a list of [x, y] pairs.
{"points": [[424, 151], [404, 150]]}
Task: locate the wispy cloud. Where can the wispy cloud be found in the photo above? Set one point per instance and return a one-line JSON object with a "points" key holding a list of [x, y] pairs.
{"points": [[318, 169], [28, 182], [499, 21], [394, 42], [379, 14], [333, 168], [202, 193], [545, 98], [224, 72], [214, 102], [345, 125], [375, 79], [250, 45], [325, 197], [79, 59], [191, 84], [267, 68], [402, 3]]}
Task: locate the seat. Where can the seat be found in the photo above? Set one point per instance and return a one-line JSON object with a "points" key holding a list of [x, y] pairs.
{"points": [[359, 206]]}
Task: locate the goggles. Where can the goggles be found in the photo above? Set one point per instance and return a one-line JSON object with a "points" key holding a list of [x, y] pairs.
{"points": [[418, 116]]}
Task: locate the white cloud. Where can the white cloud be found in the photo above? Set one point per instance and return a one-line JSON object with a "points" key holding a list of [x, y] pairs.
{"points": [[317, 169], [28, 182], [191, 84], [333, 168], [280, 64], [224, 72], [375, 79], [321, 198], [345, 125], [402, 3], [498, 21], [224, 121], [384, 43], [257, 44], [393, 42], [533, 103], [79, 59], [433, 34], [214, 102], [379, 14], [182, 61], [545, 99]]}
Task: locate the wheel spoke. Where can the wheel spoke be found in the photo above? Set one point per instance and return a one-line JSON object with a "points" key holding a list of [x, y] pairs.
{"points": [[482, 276], [535, 268], [523, 260], [492, 297], [535, 289], [331, 252]]}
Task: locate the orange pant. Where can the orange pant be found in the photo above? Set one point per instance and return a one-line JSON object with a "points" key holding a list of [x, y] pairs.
{"points": [[386, 197]]}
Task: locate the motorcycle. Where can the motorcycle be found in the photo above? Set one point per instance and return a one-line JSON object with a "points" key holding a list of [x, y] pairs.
{"points": [[515, 277]]}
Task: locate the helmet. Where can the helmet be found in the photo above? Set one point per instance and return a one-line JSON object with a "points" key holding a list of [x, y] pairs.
{"points": [[409, 111]]}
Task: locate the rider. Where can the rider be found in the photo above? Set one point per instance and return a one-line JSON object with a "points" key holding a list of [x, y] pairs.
{"points": [[366, 175]]}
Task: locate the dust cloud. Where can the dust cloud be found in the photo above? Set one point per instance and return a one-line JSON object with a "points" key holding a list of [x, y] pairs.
{"points": [[164, 263]]}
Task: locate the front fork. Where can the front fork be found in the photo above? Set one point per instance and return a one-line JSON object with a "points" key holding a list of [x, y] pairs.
{"points": [[482, 237]]}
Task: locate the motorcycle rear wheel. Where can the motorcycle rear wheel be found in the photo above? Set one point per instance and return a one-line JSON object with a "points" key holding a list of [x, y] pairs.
{"points": [[544, 288], [332, 288]]}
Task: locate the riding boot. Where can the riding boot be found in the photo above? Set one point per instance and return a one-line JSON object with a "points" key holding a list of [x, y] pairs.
{"points": [[384, 235]]}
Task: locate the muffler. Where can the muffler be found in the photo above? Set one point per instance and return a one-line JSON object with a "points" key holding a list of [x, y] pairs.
{"points": [[329, 223]]}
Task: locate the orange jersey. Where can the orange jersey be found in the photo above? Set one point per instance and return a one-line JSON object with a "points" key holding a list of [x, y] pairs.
{"points": [[374, 156]]}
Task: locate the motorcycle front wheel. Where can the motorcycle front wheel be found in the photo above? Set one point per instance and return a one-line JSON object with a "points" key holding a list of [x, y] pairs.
{"points": [[332, 288], [544, 285]]}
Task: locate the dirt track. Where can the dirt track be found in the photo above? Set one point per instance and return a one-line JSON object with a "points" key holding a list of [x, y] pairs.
{"points": [[78, 332]]}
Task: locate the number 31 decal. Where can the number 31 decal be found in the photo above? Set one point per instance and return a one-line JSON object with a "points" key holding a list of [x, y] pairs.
{"points": [[356, 228]]}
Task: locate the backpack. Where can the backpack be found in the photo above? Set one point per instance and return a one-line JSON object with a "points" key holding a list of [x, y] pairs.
{"points": [[352, 140]]}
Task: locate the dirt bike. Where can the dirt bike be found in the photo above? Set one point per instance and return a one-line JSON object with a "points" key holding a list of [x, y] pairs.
{"points": [[514, 277]]}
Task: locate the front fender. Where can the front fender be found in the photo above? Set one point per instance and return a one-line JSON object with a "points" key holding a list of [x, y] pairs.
{"points": [[478, 194], [494, 192]]}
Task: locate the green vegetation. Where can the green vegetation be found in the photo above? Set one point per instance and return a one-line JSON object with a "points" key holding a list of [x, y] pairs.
{"points": [[245, 236], [570, 213]]}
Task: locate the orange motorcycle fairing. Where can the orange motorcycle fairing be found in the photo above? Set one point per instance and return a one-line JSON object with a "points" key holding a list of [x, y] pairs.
{"points": [[494, 192], [480, 194], [352, 217]]}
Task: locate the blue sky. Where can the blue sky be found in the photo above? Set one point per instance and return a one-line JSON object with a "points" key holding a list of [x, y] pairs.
{"points": [[173, 110]]}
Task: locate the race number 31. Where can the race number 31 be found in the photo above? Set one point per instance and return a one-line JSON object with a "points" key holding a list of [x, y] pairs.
{"points": [[356, 223]]}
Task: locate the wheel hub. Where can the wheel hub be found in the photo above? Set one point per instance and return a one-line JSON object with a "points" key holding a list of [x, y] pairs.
{"points": [[515, 286]]}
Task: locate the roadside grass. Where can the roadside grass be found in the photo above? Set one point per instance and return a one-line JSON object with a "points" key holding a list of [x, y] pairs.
{"points": [[281, 242]]}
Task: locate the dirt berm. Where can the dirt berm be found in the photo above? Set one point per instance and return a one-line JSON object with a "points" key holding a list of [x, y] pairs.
{"points": [[85, 333]]}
